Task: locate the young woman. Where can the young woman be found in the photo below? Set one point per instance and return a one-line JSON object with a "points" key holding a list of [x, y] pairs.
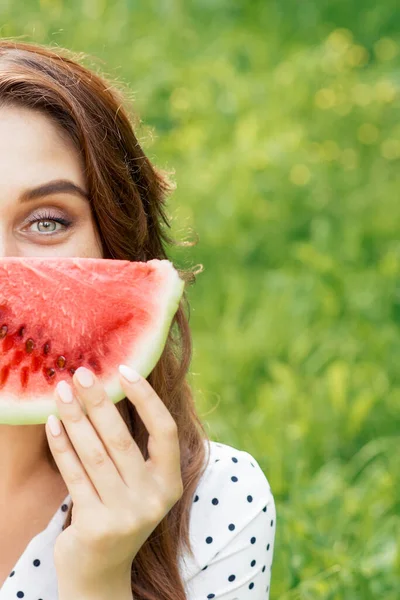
{"points": [[74, 181]]}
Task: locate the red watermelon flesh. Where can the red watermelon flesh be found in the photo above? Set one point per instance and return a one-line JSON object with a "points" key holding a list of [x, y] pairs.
{"points": [[59, 313]]}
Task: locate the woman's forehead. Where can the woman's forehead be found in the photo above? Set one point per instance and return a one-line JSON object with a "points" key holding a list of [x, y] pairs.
{"points": [[34, 150]]}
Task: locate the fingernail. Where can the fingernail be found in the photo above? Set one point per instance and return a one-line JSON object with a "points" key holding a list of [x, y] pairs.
{"points": [[84, 376], [129, 373], [54, 425], [64, 391]]}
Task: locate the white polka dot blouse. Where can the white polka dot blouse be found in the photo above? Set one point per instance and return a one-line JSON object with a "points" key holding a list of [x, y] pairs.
{"points": [[232, 533]]}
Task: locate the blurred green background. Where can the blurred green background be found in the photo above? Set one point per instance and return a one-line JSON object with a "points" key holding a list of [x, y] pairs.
{"points": [[281, 120]]}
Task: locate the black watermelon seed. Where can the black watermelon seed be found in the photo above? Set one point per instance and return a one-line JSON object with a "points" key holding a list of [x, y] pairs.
{"points": [[29, 345], [61, 360]]}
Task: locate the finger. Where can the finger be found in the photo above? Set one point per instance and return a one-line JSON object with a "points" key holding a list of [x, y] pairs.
{"points": [[88, 447], [163, 444], [110, 427], [71, 469]]}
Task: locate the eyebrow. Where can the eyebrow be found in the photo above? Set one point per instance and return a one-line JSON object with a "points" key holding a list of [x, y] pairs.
{"points": [[58, 186]]}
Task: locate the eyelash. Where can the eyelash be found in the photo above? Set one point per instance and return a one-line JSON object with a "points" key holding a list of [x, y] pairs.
{"points": [[47, 216]]}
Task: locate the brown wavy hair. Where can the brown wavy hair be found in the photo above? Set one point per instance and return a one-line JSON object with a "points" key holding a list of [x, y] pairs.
{"points": [[127, 195]]}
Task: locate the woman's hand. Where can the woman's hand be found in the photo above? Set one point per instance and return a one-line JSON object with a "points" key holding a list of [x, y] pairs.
{"points": [[119, 498]]}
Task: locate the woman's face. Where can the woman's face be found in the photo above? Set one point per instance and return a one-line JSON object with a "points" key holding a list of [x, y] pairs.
{"points": [[42, 180]]}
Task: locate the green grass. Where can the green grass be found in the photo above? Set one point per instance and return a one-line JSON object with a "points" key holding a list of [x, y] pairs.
{"points": [[281, 120]]}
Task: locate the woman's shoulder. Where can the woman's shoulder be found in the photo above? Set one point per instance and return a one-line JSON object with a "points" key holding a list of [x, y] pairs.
{"points": [[232, 494], [234, 471]]}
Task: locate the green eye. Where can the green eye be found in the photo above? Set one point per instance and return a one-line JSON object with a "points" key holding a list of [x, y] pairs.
{"points": [[46, 217]]}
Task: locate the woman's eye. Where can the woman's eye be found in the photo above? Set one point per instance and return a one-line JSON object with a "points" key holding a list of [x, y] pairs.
{"points": [[45, 224]]}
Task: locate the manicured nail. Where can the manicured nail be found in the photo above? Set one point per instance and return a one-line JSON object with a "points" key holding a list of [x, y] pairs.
{"points": [[85, 377], [64, 391], [129, 373], [54, 425]]}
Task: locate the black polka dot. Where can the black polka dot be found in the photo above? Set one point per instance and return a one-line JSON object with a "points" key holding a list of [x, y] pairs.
{"points": [[263, 569], [249, 498], [196, 498], [267, 546], [36, 562], [272, 523], [265, 509], [204, 568], [217, 459], [64, 507], [252, 464], [231, 577], [215, 500], [253, 540], [234, 478], [234, 459], [231, 527], [251, 586], [20, 594], [253, 562], [209, 540], [211, 596], [12, 573]]}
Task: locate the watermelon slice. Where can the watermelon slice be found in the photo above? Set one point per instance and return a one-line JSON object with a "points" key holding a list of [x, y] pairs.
{"points": [[57, 314]]}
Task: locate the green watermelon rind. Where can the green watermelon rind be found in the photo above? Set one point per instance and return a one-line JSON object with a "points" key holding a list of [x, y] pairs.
{"points": [[37, 412]]}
